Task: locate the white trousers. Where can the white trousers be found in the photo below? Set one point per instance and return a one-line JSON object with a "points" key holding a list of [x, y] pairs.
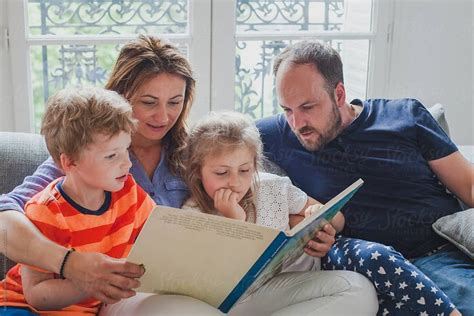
{"points": [[312, 293], [292, 293]]}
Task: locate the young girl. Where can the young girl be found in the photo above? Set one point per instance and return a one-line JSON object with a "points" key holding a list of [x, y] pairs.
{"points": [[223, 153]]}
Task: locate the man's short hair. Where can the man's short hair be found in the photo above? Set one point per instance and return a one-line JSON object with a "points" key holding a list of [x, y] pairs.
{"points": [[325, 58], [75, 116]]}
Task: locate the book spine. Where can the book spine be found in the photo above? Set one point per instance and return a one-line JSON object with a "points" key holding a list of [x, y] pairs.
{"points": [[253, 272]]}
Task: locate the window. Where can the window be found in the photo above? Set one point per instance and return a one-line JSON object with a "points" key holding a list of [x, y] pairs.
{"points": [[262, 29], [72, 42]]}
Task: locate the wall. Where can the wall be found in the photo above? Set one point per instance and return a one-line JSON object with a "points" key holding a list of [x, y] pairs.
{"points": [[431, 59], [6, 98]]}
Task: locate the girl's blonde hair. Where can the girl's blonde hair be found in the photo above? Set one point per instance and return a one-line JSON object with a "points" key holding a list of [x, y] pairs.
{"points": [[142, 59], [214, 134]]}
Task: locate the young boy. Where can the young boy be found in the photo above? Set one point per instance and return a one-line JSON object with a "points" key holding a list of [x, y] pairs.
{"points": [[95, 207]]}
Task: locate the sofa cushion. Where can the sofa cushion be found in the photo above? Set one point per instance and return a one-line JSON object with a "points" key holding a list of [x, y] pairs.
{"points": [[437, 111], [20, 155], [458, 229]]}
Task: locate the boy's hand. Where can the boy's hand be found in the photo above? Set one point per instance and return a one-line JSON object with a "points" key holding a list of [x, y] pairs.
{"points": [[102, 277], [322, 242], [225, 201]]}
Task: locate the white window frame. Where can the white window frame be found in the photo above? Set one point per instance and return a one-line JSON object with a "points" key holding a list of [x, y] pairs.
{"points": [[197, 38], [224, 40], [211, 38]]}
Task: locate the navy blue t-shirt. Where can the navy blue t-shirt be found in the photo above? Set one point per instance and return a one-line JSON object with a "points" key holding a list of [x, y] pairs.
{"points": [[388, 146]]}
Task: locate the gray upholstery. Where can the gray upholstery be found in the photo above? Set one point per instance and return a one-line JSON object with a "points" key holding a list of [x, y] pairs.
{"points": [[20, 155]]}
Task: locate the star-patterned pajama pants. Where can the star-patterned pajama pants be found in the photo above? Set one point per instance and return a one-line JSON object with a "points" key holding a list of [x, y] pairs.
{"points": [[401, 287]]}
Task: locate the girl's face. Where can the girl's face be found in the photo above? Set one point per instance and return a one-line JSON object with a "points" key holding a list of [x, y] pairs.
{"points": [[157, 105], [228, 170]]}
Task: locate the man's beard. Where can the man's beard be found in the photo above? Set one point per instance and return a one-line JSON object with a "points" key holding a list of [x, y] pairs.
{"points": [[323, 137]]}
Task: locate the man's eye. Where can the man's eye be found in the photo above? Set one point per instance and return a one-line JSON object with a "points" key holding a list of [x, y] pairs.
{"points": [[245, 170], [220, 173], [110, 156]]}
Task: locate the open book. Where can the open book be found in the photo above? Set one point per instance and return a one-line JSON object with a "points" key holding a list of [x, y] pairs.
{"points": [[216, 259]]}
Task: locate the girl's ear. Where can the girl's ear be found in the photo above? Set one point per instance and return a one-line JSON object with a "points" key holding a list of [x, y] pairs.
{"points": [[67, 163]]}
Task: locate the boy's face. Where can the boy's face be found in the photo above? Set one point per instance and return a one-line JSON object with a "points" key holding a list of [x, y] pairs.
{"points": [[105, 163], [231, 170]]}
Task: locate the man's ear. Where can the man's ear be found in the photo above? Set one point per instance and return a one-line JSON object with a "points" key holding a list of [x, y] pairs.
{"points": [[340, 94], [67, 163]]}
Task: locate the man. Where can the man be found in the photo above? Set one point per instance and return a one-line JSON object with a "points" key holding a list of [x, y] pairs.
{"points": [[325, 143]]}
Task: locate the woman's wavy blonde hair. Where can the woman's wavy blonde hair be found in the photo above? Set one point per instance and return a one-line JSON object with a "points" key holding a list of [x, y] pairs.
{"points": [[213, 135], [142, 59]]}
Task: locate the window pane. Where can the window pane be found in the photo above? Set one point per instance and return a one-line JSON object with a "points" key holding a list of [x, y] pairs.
{"points": [[69, 17], [254, 81], [303, 15], [55, 67]]}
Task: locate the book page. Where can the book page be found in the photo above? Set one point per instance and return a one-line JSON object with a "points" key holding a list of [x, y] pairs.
{"points": [[195, 254]]}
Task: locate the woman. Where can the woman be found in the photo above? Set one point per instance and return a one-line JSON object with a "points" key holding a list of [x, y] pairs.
{"points": [[158, 82]]}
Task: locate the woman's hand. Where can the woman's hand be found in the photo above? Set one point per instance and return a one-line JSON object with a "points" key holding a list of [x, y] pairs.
{"points": [[102, 277], [321, 242], [225, 201]]}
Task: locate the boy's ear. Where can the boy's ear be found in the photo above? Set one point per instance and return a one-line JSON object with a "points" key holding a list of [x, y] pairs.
{"points": [[67, 163]]}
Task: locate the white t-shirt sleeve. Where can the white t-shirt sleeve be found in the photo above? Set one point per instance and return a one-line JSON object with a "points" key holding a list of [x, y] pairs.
{"points": [[276, 198]]}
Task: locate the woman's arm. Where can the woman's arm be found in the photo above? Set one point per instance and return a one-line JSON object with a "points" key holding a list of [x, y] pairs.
{"points": [[44, 175], [19, 239], [44, 292]]}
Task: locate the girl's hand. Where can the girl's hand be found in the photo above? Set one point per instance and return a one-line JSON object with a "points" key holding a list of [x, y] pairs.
{"points": [[310, 210], [225, 201]]}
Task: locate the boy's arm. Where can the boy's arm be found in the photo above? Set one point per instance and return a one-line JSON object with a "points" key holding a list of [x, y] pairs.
{"points": [[44, 292], [102, 277]]}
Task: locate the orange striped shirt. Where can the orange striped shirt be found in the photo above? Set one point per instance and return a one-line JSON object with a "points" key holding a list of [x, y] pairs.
{"points": [[111, 231]]}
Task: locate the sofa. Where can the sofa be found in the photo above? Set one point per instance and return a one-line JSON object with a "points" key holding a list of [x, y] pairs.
{"points": [[21, 153]]}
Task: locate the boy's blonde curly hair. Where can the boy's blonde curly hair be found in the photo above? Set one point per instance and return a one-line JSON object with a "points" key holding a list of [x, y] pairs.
{"points": [[74, 116]]}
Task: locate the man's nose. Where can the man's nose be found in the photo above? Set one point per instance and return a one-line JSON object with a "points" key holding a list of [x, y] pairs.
{"points": [[298, 121]]}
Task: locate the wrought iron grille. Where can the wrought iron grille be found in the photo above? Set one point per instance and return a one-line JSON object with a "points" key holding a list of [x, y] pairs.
{"points": [[254, 83], [60, 66], [290, 15], [67, 17]]}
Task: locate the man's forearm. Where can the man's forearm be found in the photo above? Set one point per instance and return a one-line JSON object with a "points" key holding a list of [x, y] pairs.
{"points": [[22, 242]]}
